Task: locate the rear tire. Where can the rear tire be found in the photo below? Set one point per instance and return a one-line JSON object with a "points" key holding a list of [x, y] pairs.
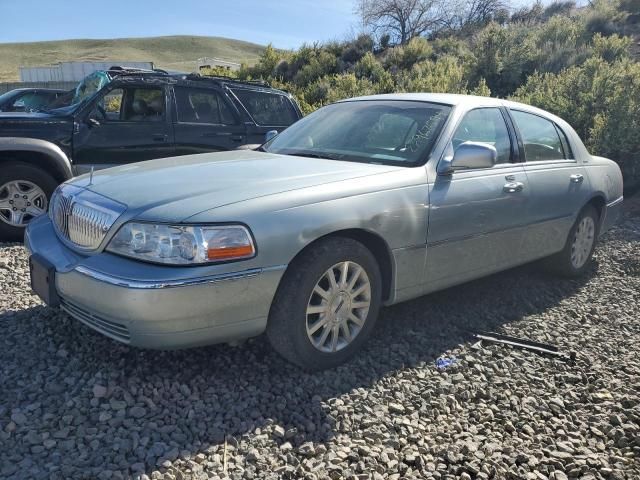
{"points": [[575, 257], [308, 312], [25, 192]]}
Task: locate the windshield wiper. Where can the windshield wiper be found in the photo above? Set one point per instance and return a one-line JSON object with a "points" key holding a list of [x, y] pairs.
{"points": [[325, 156]]}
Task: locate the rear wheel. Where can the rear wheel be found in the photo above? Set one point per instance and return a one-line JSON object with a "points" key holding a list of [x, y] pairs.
{"points": [[574, 259], [25, 191], [326, 305]]}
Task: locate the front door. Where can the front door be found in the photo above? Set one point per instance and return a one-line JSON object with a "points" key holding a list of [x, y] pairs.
{"points": [[125, 125], [476, 216], [206, 122], [559, 185]]}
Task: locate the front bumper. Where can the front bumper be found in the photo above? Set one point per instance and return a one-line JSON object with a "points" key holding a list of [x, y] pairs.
{"points": [[155, 306]]}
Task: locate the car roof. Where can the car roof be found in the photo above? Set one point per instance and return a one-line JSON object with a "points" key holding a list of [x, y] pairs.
{"points": [[456, 99], [36, 89]]}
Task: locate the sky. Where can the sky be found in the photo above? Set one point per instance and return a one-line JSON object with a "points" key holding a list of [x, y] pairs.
{"points": [[284, 23]]}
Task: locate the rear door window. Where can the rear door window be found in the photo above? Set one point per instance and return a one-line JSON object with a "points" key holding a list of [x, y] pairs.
{"points": [[539, 136], [271, 109], [203, 106]]}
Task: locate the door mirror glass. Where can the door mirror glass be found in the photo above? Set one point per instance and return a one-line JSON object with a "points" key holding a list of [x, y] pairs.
{"points": [[270, 134], [474, 155]]}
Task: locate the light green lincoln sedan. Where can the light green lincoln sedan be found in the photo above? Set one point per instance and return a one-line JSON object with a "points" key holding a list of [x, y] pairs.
{"points": [[364, 203]]}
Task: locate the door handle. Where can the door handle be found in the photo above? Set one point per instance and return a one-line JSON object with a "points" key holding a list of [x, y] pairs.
{"points": [[237, 138], [513, 187], [159, 137], [576, 178]]}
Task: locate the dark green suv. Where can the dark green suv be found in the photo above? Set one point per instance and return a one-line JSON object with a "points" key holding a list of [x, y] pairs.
{"points": [[124, 116]]}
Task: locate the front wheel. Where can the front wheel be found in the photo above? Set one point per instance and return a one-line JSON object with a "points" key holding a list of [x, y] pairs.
{"points": [[326, 305], [25, 191], [574, 259]]}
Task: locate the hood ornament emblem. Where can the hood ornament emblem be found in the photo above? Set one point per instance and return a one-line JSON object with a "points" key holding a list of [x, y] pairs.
{"points": [[91, 176]]}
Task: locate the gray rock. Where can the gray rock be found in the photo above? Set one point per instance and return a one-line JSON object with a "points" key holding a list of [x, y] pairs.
{"points": [[99, 391]]}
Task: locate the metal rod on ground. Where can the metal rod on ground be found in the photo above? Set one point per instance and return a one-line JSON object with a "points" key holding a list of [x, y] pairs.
{"points": [[224, 456], [525, 344]]}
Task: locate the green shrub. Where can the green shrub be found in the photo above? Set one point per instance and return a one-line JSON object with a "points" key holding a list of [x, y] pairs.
{"points": [[601, 100], [446, 75]]}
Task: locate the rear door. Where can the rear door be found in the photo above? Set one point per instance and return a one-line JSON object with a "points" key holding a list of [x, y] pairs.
{"points": [[476, 216], [267, 110], [126, 124], [206, 121], [558, 183]]}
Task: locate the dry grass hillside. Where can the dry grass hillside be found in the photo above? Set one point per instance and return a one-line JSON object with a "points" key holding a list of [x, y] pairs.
{"points": [[175, 53]]}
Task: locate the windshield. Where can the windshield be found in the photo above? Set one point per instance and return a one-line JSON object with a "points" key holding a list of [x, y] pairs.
{"points": [[372, 131], [89, 86], [7, 96]]}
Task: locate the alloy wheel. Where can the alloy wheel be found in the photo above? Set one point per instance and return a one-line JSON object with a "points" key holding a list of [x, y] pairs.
{"points": [[582, 242], [20, 202], [338, 307]]}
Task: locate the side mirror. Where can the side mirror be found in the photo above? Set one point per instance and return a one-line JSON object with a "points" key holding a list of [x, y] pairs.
{"points": [[92, 122], [270, 134], [471, 155]]}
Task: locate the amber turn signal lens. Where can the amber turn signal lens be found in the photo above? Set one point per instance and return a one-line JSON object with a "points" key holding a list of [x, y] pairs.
{"points": [[228, 253]]}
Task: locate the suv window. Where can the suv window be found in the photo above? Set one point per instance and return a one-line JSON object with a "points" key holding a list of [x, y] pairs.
{"points": [[485, 125], [540, 137], [272, 109], [203, 106], [132, 105]]}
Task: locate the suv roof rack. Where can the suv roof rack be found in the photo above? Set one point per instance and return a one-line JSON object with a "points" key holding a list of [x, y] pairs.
{"points": [[224, 78], [120, 70]]}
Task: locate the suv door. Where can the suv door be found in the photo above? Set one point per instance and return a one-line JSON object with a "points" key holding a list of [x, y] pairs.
{"points": [[476, 216], [125, 124], [205, 121], [559, 185], [267, 110]]}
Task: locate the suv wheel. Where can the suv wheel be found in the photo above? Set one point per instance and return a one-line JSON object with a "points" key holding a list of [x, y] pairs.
{"points": [[25, 191], [326, 305]]}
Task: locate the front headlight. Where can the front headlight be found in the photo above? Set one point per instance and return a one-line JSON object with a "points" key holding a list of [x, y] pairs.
{"points": [[182, 245]]}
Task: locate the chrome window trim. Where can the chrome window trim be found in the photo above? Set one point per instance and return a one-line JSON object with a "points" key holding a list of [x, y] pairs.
{"points": [[551, 162], [155, 285]]}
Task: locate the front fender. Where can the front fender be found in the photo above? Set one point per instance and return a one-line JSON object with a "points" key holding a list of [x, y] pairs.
{"points": [[53, 157]]}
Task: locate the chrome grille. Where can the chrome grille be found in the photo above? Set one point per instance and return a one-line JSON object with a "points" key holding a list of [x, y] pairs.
{"points": [[83, 217]]}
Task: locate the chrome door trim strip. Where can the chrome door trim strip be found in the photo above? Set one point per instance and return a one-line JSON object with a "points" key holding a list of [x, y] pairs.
{"points": [[491, 232]]}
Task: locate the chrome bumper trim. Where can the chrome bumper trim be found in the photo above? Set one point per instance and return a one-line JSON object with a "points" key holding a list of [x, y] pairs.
{"points": [[153, 285], [615, 202]]}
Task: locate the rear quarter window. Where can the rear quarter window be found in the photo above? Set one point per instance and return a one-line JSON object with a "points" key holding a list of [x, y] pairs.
{"points": [[271, 109]]}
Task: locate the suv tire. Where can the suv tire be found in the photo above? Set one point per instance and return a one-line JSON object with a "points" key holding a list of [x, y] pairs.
{"points": [[319, 324], [33, 188]]}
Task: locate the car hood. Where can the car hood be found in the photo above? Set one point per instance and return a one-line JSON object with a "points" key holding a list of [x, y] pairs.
{"points": [[176, 188]]}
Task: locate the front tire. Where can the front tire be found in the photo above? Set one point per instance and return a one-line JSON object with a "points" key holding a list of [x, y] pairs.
{"points": [[575, 258], [326, 305], [25, 191]]}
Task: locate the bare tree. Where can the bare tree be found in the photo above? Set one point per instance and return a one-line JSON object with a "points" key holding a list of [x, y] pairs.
{"points": [[400, 19], [462, 13]]}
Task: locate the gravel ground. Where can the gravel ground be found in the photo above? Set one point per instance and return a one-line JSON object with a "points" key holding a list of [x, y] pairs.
{"points": [[74, 404]]}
